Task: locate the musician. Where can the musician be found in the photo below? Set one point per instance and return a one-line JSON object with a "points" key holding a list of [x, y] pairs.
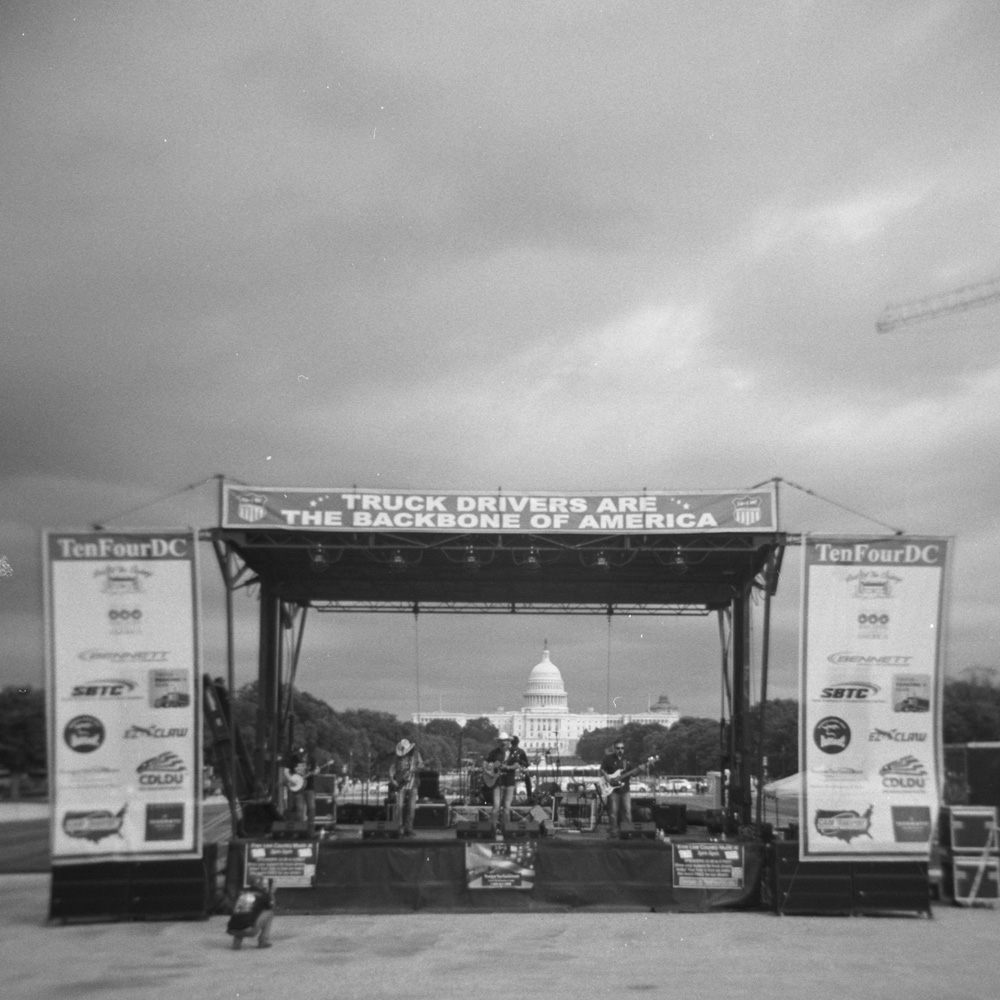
{"points": [[523, 762], [502, 762], [619, 800], [297, 772], [404, 777]]}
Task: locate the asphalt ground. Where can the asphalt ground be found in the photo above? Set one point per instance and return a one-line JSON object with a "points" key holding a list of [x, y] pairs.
{"points": [[950, 956], [568, 955]]}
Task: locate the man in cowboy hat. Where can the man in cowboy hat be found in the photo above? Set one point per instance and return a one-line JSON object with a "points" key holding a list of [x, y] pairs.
{"points": [[403, 776], [500, 766]]}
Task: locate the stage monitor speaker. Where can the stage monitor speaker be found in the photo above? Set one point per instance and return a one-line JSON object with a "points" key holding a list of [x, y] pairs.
{"points": [[638, 831], [527, 829], [380, 830], [429, 785], [287, 830], [473, 830]]}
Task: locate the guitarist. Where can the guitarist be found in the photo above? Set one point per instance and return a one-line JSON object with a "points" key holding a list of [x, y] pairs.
{"points": [[618, 801], [500, 769]]}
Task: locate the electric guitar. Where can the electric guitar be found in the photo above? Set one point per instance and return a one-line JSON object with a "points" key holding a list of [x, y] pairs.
{"points": [[607, 783]]}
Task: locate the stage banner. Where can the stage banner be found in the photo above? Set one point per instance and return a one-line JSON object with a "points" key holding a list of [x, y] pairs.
{"points": [[493, 513], [122, 659], [870, 696], [500, 865]]}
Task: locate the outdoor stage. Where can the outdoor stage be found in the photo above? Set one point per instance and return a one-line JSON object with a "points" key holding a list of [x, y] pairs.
{"points": [[440, 873]]}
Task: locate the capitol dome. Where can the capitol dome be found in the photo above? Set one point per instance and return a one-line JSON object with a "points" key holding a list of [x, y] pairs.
{"points": [[545, 691]]}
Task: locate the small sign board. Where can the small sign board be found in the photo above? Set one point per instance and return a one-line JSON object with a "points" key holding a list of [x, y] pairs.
{"points": [[500, 865], [291, 864], [708, 865]]}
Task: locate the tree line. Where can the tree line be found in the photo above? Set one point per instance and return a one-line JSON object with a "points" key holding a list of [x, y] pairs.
{"points": [[360, 742]]}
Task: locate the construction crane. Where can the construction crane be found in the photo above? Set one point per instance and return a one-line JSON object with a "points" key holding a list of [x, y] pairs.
{"points": [[958, 300]]}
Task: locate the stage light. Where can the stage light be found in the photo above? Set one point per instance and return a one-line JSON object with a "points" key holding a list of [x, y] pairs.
{"points": [[470, 560], [677, 563], [602, 562], [317, 558], [397, 562]]}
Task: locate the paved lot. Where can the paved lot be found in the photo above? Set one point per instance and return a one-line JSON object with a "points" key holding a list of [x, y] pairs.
{"points": [[689, 956]]}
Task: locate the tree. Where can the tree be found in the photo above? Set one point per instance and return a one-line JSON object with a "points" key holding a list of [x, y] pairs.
{"points": [[690, 746], [593, 745], [971, 712], [22, 733], [781, 736]]}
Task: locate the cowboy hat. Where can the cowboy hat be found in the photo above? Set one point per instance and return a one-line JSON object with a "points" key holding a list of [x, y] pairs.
{"points": [[504, 736], [403, 747]]}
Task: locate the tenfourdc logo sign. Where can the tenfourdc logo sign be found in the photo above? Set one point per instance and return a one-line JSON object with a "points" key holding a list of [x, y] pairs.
{"points": [[832, 735], [84, 733]]}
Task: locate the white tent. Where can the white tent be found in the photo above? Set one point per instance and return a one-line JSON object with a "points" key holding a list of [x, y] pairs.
{"points": [[781, 800]]}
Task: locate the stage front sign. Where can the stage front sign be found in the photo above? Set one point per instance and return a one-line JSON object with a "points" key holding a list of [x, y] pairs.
{"points": [[122, 688], [642, 512], [870, 696]]}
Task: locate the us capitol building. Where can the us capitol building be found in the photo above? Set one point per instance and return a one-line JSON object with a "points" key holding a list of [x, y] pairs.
{"points": [[544, 721]]}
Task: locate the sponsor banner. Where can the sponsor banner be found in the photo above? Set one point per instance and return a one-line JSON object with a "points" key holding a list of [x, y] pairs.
{"points": [[495, 865], [124, 722], [492, 513], [708, 865], [869, 696]]}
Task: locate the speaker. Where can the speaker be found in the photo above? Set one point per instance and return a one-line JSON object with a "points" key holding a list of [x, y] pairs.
{"points": [[638, 831], [380, 830], [285, 830], [472, 830], [526, 829], [428, 785], [671, 817]]}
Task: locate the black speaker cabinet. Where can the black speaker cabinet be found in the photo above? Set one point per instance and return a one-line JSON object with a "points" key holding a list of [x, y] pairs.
{"points": [[671, 817], [638, 831], [472, 830], [526, 829], [428, 786]]}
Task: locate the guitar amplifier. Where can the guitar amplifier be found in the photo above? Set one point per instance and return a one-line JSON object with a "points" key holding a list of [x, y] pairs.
{"points": [[638, 831], [472, 830], [381, 830]]}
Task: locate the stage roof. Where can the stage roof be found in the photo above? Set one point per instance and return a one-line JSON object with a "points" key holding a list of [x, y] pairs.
{"points": [[380, 550]]}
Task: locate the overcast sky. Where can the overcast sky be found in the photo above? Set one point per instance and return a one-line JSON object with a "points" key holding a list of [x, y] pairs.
{"points": [[570, 245]]}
